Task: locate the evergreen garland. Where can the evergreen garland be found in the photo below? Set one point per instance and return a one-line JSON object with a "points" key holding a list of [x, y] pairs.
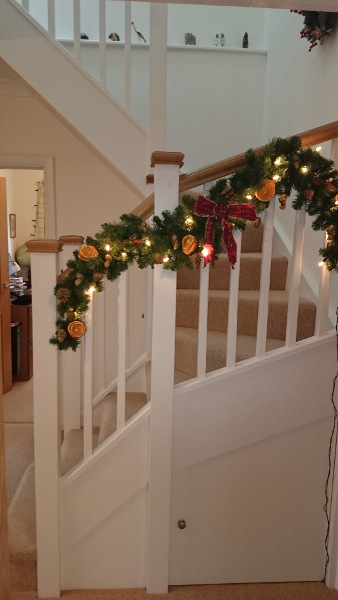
{"points": [[312, 178], [317, 26]]}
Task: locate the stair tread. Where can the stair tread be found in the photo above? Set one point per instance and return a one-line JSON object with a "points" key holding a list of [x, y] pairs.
{"points": [[134, 402], [186, 350], [274, 295]]}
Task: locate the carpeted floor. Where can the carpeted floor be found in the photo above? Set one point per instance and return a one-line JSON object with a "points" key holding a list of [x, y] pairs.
{"points": [[258, 591]]}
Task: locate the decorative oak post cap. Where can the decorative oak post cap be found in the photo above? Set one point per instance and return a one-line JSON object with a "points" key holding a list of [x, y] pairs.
{"points": [[45, 245], [71, 239], [160, 157]]}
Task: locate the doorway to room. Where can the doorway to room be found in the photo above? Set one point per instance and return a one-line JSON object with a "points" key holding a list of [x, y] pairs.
{"points": [[22, 176]]}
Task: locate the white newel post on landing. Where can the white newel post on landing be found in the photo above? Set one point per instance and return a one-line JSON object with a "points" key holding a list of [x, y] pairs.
{"points": [[44, 263], [167, 166]]}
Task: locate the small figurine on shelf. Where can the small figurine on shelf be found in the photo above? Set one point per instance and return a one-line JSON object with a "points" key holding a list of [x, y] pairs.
{"points": [[139, 34], [245, 43], [216, 39], [190, 39], [114, 37], [222, 39]]}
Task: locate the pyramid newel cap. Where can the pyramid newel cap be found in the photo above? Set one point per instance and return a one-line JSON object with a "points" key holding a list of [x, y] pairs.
{"points": [[160, 157]]}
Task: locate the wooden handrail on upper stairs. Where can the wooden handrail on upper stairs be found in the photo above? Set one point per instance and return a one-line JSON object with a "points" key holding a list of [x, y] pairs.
{"points": [[226, 167]]}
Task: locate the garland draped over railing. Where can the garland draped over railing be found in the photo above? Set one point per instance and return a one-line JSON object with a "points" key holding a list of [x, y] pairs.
{"points": [[183, 237]]}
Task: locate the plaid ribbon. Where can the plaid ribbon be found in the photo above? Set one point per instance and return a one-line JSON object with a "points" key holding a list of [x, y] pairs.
{"points": [[221, 212]]}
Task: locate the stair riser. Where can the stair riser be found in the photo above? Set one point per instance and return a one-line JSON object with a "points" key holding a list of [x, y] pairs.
{"points": [[250, 273], [187, 316]]}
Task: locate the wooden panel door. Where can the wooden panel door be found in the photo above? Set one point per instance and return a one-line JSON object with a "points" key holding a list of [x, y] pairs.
{"points": [[5, 317], [4, 561]]}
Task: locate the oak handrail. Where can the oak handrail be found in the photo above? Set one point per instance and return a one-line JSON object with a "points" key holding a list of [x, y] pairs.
{"points": [[230, 165]]}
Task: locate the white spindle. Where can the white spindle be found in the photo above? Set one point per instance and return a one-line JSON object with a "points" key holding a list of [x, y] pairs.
{"points": [[263, 308], [102, 41], [158, 75], [203, 322], [127, 54], [295, 279], [77, 29], [51, 17], [122, 349], [233, 305], [87, 379], [322, 311]]}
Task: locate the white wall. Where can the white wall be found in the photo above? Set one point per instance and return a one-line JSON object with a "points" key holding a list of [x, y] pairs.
{"points": [[301, 93], [203, 21], [87, 192]]}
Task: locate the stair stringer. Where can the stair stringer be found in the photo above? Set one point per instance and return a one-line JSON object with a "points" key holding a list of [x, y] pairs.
{"points": [[103, 513], [95, 115], [249, 472]]}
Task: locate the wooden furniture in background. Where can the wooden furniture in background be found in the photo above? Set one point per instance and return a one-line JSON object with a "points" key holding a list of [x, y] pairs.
{"points": [[22, 313]]}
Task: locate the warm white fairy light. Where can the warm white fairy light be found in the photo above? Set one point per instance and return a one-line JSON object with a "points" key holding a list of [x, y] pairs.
{"points": [[249, 197], [304, 169], [189, 221], [147, 242], [276, 177], [278, 161], [321, 263], [336, 202], [318, 149], [166, 258], [107, 247], [205, 251], [124, 254]]}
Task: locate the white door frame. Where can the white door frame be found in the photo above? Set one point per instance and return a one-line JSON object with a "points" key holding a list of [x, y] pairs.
{"points": [[45, 163]]}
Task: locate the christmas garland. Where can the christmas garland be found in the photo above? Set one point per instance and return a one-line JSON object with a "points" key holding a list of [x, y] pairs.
{"points": [[317, 26], [200, 228]]}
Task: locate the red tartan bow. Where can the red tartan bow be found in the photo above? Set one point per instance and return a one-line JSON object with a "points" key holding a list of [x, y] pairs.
{"points": [[329, 186], [221, 212]]}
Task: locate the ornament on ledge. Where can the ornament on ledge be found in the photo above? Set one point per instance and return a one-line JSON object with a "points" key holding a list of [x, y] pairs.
{"points": [[245, 42], [139, 34], [114, 37], [190, 39]]}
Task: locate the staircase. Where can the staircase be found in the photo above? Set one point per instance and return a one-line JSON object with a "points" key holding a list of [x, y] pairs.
{"points": [[188, 284], [21, 512], [22, 521]]}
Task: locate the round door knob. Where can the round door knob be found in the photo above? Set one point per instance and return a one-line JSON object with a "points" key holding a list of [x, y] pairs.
{"points": [[181, 524]]}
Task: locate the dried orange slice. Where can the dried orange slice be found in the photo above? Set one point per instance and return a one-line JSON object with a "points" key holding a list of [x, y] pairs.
{"points": [[76, 329], [267, 191], [189, 244], [87, 252]]}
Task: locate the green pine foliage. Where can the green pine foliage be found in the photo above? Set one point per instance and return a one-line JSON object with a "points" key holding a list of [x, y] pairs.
{"points": [[312, 178]]}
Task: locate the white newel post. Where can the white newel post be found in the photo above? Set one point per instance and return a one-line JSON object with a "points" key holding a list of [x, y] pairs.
{"points": [[70, 362], [167, 166], [44, 264]]}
